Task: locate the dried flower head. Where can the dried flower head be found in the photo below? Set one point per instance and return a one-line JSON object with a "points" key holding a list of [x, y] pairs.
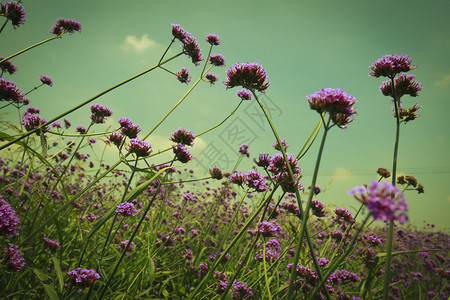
{"points": [[384, 173], [407, 115], [213, 39], [7, 66], [46, 80], [65, 26], [248, 75], [391, 65], [183, 75], [14, 12]]}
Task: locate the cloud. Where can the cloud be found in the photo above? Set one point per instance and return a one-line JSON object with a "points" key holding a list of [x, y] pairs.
{"points": [[444, 81], [132, 43]]}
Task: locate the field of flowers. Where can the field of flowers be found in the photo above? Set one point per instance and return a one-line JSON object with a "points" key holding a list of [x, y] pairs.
{"points": [[74, 226]]}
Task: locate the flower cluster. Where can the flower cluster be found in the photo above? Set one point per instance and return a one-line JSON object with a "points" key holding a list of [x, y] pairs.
{"points": [[14, 12], [126, 209], [81, 129], [116, 138], [272, 251], [182, 154], [244, 94], [211, 77], [336, 102], [33, 121], [284, 144], [240, 290], [255, 180], [124, 244], [83, 277], [318, 208], [269, 229], [391, 65], [65, 26], [47, 80], [243, 149], [13, 258], [7, 66], [384, 201], [217, 60], [251, 76], [10, 92], [52, 244], [279, 169], [383, 172], [237, 178], [307, 274], [183, 136], [99, 113], [183, 75], [216, 172], [190, 45], [213, 39], [139, 147], [9, 221], [408, 114], [128, 128], [404, 84]]}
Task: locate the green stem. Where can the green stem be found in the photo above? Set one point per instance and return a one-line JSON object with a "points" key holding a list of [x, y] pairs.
{"points": [[3, 26], [35, 88]]}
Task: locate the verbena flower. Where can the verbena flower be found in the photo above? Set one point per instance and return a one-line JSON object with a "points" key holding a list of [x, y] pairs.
{"points": [[284, 144], [183, 136], [128, 128], [81, 129], [14, 12], [65, 26], [83, 277], [256, 181], [33, 121], [336, 102], [405, 84], [304, 272], [56, 124], [13, 258], [244, 94], [7, 66], [243, 149], [391, 65], [384, 201], [52, 244], [269, 229], [263, 160], [216, 173], [211, 77], [217, 60], [10, 92], [46, 80], [182, 154], [190, 45], [67, 124], [116, 138], [123, 244], [9, 221], [248, 75], [179, 33], [183, 75], [240, 290], [408, 114], [213, 39], [139, 147], [126, 209], [33, 110], [99, 113], [318, 208], [237, 178]]}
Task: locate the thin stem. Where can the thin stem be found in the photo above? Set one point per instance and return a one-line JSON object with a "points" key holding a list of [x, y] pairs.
{"points": [[3, 26], [33, 89]]}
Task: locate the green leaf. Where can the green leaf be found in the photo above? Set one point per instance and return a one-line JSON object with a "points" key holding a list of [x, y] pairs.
{"points": [[46, 282], [59, 273]]}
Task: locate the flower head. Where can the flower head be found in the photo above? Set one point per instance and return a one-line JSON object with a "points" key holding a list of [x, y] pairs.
{"points": [[192, 49], [99, 113], [116, 138], [65, 26], [237, 178], [81, 129], [217, 60], [337, 103], [216, 172], [240, 290], [263, 160], [83, 277], [67, 124], [128, 128], [52, 244], [408, 114], [33, 121], [384, 201], [269, 229], [9, 221], [255, 180], [284, 144], [13, 258], [391, 65], [405, 84], [211, 77], [213, 39], [243, 149], [46, 80], [183, 75], [248, 75], [126, 209], [244, 94], [14, 12], [7, 66], [139, 147], [182, 154], [10, 92], [183, 136], [124, 244]]}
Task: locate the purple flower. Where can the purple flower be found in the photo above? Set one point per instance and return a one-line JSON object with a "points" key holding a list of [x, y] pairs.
{"points": [[272, 251], [99, 113], [67, 124], [221, 287], [278, 165], [243, 149], [13, 11], [190, 45], [237, 178], [240, 290], [248, 75], [318, 208], [10, 92], [64, 26], [9, 221], [263, 160], [269, 229], [244, 94], [123, 244], [183, 75], [183, 136], [139, 147], [304, 272], [128, 128], [337, 103], [179, 33], [344, 214], [284, 144], [56, 124], [217, 60], [384, 201], [52, 244], [83, 277], [81, 129], [211, 77], [33, 110], [405, 84], [116, 138], [13, 258], [391, 65], [33, 121], [126, 209], [213, 39], [216, 173], [46, 80], [182, 154], [7, 66], [256, 181]]}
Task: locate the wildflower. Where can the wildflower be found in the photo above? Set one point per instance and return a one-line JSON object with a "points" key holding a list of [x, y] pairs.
{"points": [[243, 149], [384, 173], [65, 26], [67, 124], [192, 49], [217, 60], [304, 272], [337, 103], [255, 180], [391, 65], [182, 136], [7, 66], [237, 178], [240, 290], [384, 201], [341, 276], [126, 209], [216, 173], [124, 244], [269, 229], [318, 208], [33, 121], [56, 124], [99, 113], [183, 75], [278, 165], [92, 141], [344, 214], [272, 251], [9, 221], [13, 11], [284, 144], [406, 115], [10, 92], [213, 39], [13, 258], [405, 84], [179, 33], [83, 277], [116, 138], [139, 147], [182, 154], [128, 128], [46, 80], [248, 75], [32, 110], [211, 77], [221, 287], [263, 160], [188, 254], [317, 189], [244, 94], [52, 244]]}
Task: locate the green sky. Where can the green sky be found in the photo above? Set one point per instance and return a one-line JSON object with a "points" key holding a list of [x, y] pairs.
{"points": [[303, 45]]}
